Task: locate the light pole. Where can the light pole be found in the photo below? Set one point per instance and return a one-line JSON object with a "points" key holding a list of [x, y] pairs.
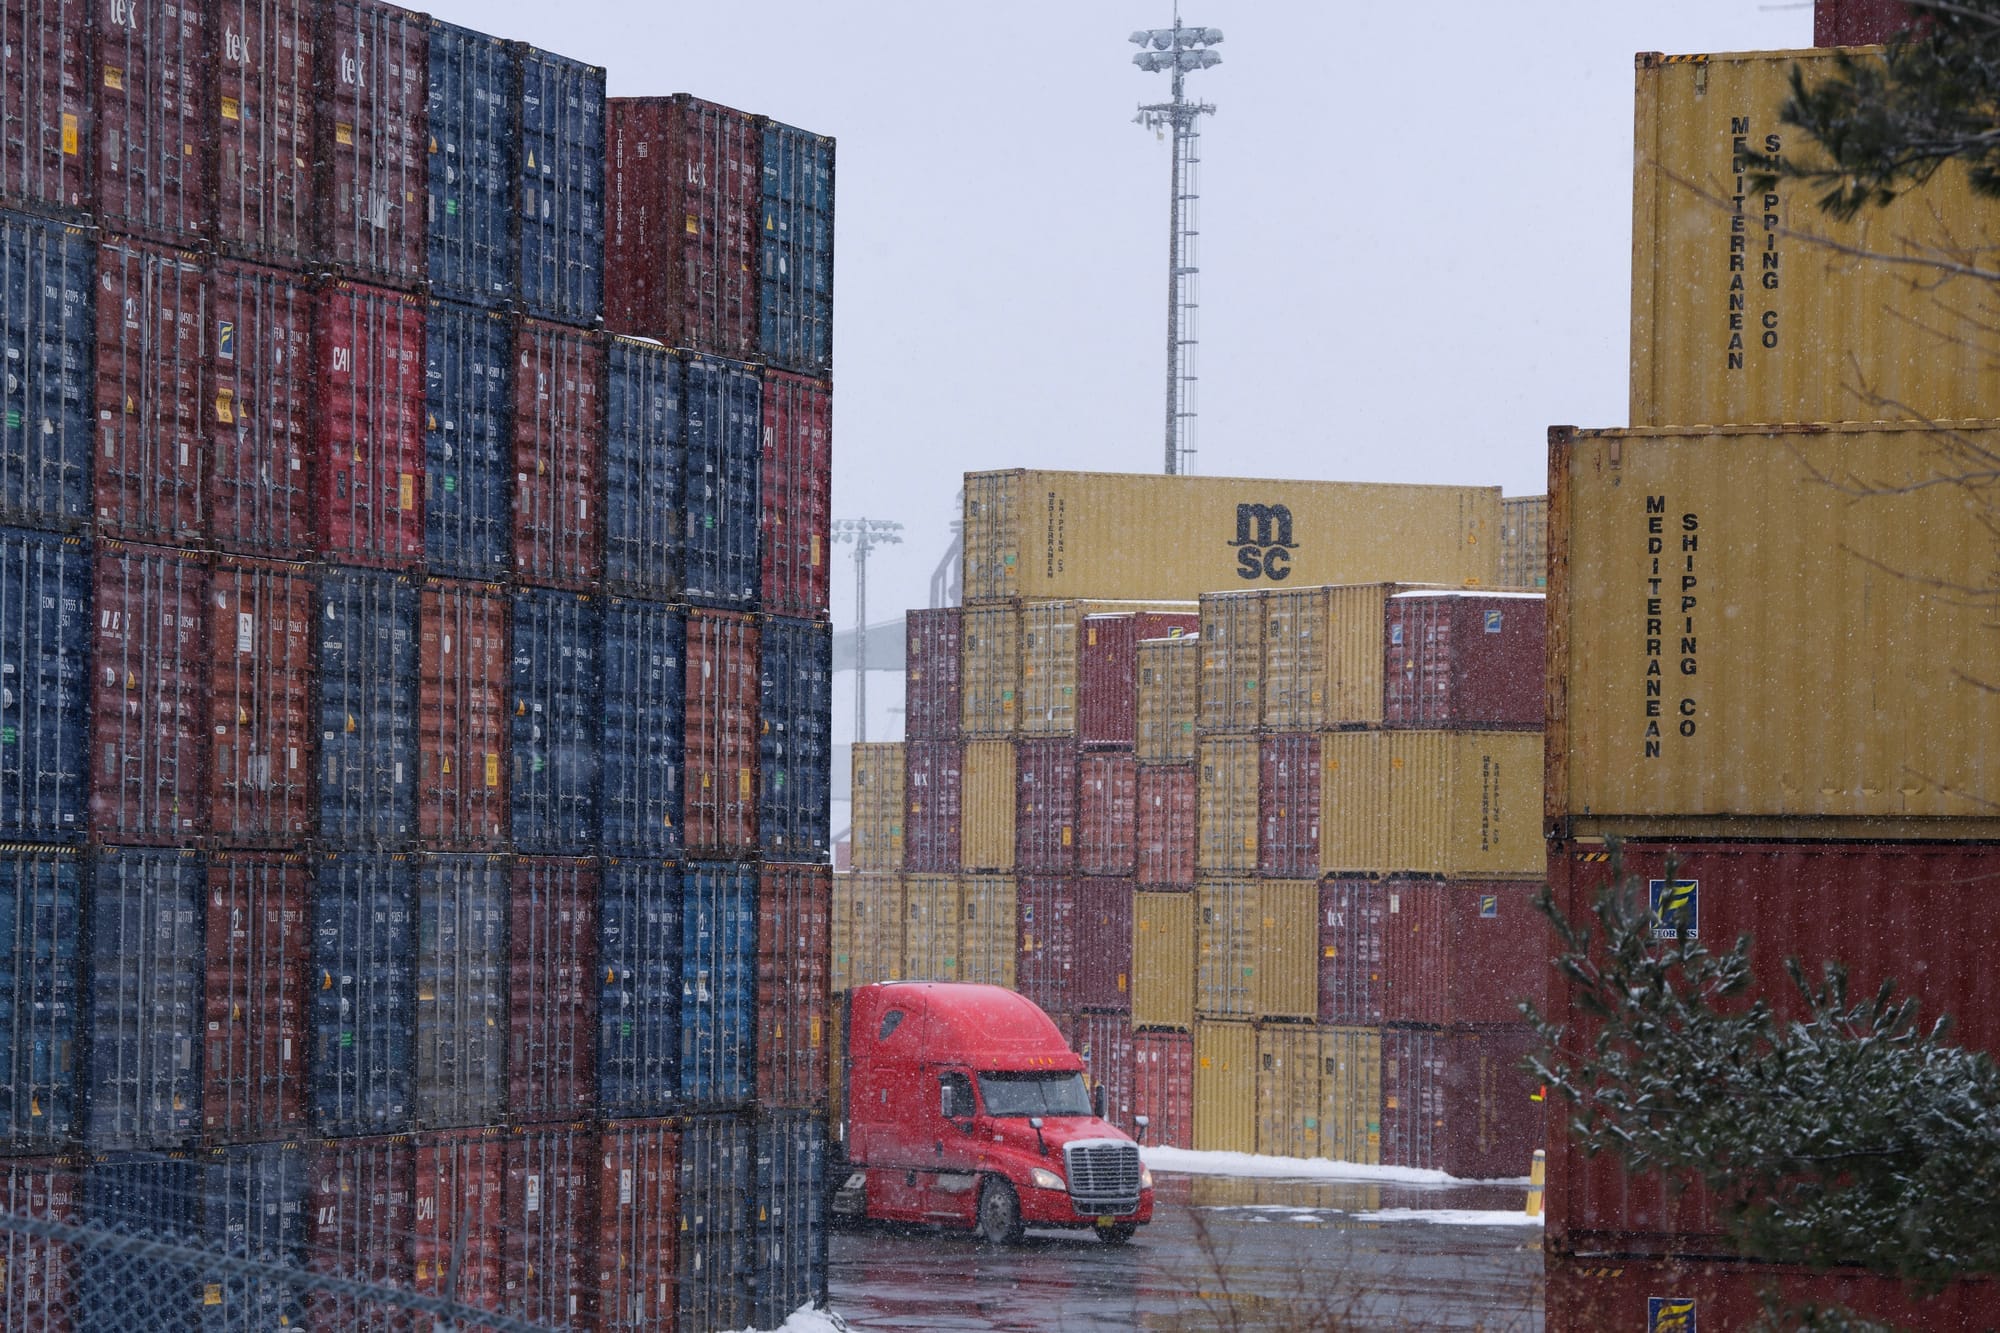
{"points": [[866, 534]]}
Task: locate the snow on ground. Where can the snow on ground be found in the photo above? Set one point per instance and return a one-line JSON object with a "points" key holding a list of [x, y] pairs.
{"points": [[1453, 1217], [1184, 1162], [805, 1319]]}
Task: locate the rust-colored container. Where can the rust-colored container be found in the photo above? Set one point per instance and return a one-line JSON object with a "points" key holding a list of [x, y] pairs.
{"points": [[685, 180], [638, 1225], [1232, 661], [458, 1226], [552, 986], [1103, 949], [794, 946], [867, 930], [1226, 805], [558, 429], [1166, 825], [1107, 695], [989, 671], [1104, 1040], [989, 907], [1858, 22], [1323, 656], [462, 715], [930, 674], [1163, 960], [988, 785], [257, 413], [1168, 693], [549, 1210], [266, 84], [257, 950], [1353, 950], [876, 797], [48, 87], [368, 462], [1045, 825], [931, 795], [147, 468], [1456, 1100], [796, 492], [373, 141], [1051, 655], [723, 689], [1524, 542], [361, 1226], [260, 718], [1107, 797], [1288, 806], [38, 1285], [1047, 970], [1468, 659], [148, 702], [1163, 1088], [154, 76], [1458, 951]]}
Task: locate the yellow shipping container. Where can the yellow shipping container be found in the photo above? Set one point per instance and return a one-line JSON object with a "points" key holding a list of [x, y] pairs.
{"points": [[989, 671], [987, 794], [1169, 680], [1226, 804], [1354, 803], [1225, 1087], [1466, 804], [1163, 960], [1323, 652], [1225, 934], [1760, 307], [1524, 541], [1051, 636], [987, 945], [1319, 1092], [867, 930], [1096, 534], [1232, 661], [930, 928], [1287, 962], [1288, 1090], [877, 795], [1744, 644], [1350, 1114]]}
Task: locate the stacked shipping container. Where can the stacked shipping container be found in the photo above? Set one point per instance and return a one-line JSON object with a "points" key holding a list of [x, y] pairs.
{"points": [[359, 722]]}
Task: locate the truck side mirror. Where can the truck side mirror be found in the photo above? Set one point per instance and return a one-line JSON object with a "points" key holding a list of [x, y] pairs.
{"points": [[1141, 1121], [1097, 1101]]}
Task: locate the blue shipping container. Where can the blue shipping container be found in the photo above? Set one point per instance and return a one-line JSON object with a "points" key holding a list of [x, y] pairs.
{"points": [[254, 1209], [718, 1173], [558, 719], [144, 1195], [461, 991], [142, 1085], [789, 1239], [645, 646], [41, 923], [639, 1007], [795, 745], [44, 643], [644, 462], [795, 305], [472, 93], [363, 998], [468, 519], [47, 319], [719, 985], [367, 707], [722, 409], [561, 199]]}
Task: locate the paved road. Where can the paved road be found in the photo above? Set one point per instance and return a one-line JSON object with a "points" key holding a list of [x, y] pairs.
{"points": [[1220, 1254]]}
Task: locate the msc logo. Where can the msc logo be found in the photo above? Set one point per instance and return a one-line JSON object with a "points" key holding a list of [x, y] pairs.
{"points": [[1264, 542], [1675, 909], [1669, 1314]]}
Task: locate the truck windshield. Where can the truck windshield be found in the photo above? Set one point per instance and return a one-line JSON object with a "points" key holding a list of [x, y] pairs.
{"points": [[1034, 1094]]}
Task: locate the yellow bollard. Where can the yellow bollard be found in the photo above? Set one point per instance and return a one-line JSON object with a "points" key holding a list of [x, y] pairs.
{"points": [[1538, 1175]]}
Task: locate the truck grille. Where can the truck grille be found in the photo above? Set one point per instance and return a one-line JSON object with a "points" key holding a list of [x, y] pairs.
{"points": [[1103, 1176]]}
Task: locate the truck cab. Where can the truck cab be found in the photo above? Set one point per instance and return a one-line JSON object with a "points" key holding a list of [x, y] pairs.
{"points": [[963, 1106]]}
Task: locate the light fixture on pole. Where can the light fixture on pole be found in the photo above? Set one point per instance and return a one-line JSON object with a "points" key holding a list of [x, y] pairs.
{"points": [[866, 534]]}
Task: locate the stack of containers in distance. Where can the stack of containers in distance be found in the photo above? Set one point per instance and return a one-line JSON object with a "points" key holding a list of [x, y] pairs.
{"points": [[1748, 798], [349, 645]]}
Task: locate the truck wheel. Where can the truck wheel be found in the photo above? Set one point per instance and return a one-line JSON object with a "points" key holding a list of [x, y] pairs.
{"points": [[999, 1213], [1119, 1233]]}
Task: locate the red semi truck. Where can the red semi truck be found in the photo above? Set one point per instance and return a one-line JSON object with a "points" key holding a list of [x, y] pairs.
{"points": [[963, 1106]]}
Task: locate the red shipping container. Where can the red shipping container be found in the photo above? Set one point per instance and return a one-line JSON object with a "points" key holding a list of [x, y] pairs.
{"points": [[1045, 819], [1858, 22], [1462, 951], [147, 468], [1163, 1088], [1166, 825], [258, 414], [1107, 694], [149, 668], [794, 948], [1107, 799], [681, 260], [47, 92], [1353, 951], [37, 1273], [1045, 969], [723, 692], [1457, 1100], [552, 988], [797, 490], [373, 141], [931, 804], [261, 661], [638, 1225], [1105, 1043], [458, 1228], [930, 674], [1288, 807], [258, 954], [265, 89], [1464, 660], [155, 141], [549, 1206], [360, 1228], [558, 432], [1103, 944], [368, 376], [462, 715]]}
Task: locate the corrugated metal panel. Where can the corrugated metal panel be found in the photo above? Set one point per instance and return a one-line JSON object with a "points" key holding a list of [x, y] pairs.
{"points": [[644, 461], [45, 633], [795, 739], [143, 1088], [556, 746], [474, 91], [559, 198], [1287, 960], [266, 83], [359, 1227], [1051, 638], [1168, 695], [1108, 671], [374, 187], [1458, 951], [1163, 1088], [1045, 969], [1232, 661], [456, 1242], [718, 1172], [1104, 1041], [931, 694], [367, 707], [722, 685], [1045, 816], [797, 491], [1464, 660], [549, 1204], [1295, 658], [1288, 806], [48, 87], [990, 671], [254, 1208], [368, 355], [639, 1006], [1524, 541], [1226, 800], [257, 954], [1354, 810], [988, 784], [1831, 332], [868, 930], [1457, 1101], [155, 140], [149, 670], [463, 710], [789, 1256], [876, 798], [1103, 947], [557, 431], [794, 946], [719, 986], [1353, 950], [257, 411], [638, 1226], [930, 928], [722, 424], [988, 945], [1226, 936], [462, 965], [1859, 22], [1463, 804], [643, 710], [1184, 536], [41, 920], [142, 1195], [795, 305], [39, 1293], [1289, 1091], [1166, 825], [48, 322], [552, 936], [148, 370], [931, 795], [468, 450], [364, 1000], [1225, 1087], [1413, 1103], [1163, 960], [1351, 1094], [1107, 814]]}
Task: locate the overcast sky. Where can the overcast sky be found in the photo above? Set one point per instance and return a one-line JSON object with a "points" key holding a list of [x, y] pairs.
{"points": [[1415, 226]]}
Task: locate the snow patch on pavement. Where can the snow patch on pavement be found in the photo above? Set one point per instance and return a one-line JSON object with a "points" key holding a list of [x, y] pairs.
{"points": [[1183, 1162], [1453, 1217], [805, 1319]]}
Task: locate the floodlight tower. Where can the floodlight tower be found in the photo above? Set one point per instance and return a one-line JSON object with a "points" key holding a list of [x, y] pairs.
{"points": [[1178, 50], [866, 534]]}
